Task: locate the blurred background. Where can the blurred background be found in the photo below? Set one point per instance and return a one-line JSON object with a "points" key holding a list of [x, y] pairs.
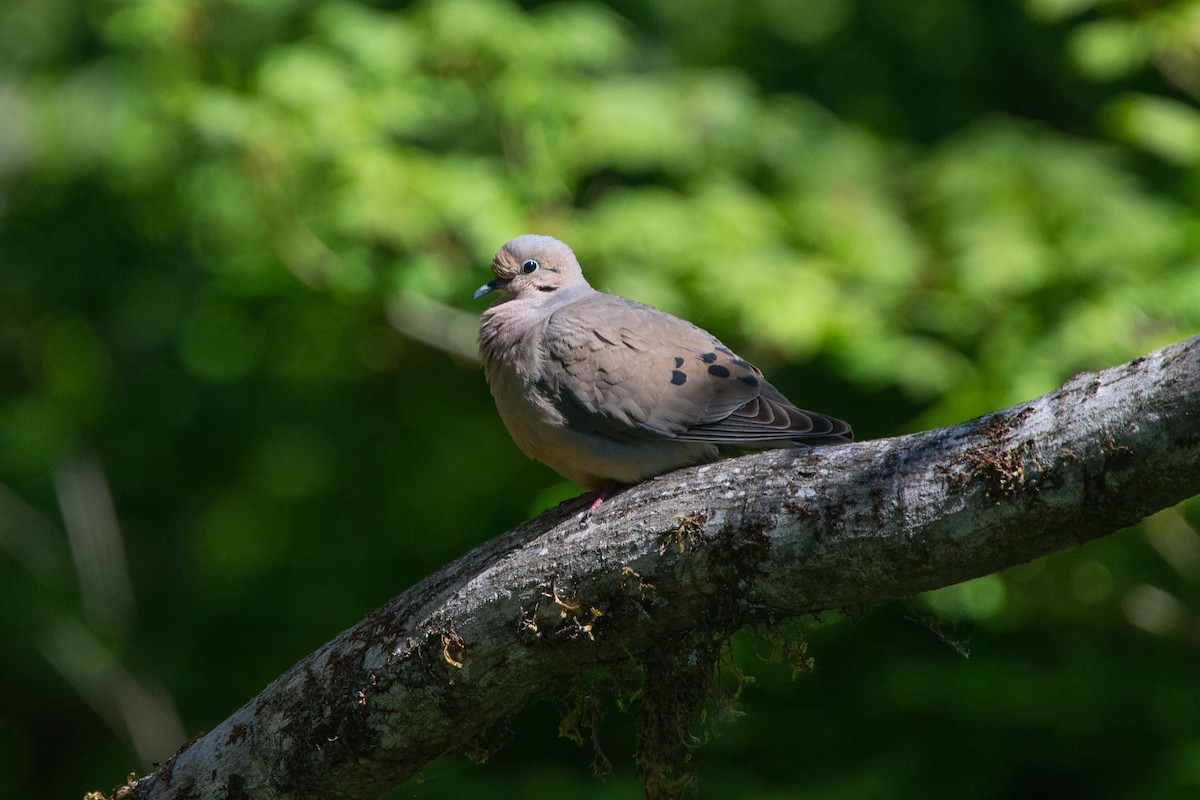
{"points": [[239, 407]]}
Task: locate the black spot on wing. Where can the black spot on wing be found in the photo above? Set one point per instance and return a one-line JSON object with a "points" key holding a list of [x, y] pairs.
{"points": [[708, 358], [678, 362], [719, 371], [677, 377], [749, 380]]}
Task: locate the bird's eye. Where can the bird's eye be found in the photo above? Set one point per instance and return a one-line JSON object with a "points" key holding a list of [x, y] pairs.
{"points": [[529, 266]]}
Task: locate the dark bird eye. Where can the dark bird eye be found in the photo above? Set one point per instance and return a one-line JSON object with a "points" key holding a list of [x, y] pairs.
{"points": [[529, 266]]}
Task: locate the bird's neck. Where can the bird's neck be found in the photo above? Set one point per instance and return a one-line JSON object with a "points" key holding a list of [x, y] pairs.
{"points": [[503, 328], [506, 326]]}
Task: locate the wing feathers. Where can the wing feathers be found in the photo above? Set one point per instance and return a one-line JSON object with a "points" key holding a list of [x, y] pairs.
{"points": [[631, 372]]}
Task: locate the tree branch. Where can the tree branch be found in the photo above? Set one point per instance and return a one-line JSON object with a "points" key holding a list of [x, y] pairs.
{"points": [[708, 548]]}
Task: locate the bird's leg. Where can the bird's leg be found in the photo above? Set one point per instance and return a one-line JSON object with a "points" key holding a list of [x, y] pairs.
{"points": [[593, 499], [603, 493]]}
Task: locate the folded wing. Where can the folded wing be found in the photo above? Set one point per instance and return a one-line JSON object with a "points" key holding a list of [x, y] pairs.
{"points": [[631, 372]]}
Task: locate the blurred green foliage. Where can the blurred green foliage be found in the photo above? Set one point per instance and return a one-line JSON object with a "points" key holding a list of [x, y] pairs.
{"points": [[237, 244]]}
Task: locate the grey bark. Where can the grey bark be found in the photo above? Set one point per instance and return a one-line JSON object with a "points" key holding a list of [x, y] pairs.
{"points": [[708, 548]]}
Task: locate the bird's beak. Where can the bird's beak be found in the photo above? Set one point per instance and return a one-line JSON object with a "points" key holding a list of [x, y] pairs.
{"points": [[490, 286]]}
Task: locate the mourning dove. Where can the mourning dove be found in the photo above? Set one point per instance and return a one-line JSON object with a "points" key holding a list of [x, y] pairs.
{"points": [[606, 390]]}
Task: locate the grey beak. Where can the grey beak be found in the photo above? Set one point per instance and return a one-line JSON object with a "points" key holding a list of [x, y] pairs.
{"points": [[490, 286]]}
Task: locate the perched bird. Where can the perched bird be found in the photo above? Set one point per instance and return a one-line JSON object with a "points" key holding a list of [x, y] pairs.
{"points": [[606, 390]]}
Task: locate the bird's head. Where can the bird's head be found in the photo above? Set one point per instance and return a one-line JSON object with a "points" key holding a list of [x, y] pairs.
{"points": [[534, 268]]}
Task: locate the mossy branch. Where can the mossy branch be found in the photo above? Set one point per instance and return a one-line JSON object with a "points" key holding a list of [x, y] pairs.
{"points": [[691, 556]]}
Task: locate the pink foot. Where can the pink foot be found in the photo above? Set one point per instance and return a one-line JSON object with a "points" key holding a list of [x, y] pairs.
{"points": [[596, 496]]}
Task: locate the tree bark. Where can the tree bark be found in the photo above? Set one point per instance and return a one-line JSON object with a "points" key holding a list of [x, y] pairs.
{"points": [[705, 549]]}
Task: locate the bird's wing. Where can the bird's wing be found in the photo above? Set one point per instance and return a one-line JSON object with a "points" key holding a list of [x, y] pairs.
{"points": [[621, 369]]}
